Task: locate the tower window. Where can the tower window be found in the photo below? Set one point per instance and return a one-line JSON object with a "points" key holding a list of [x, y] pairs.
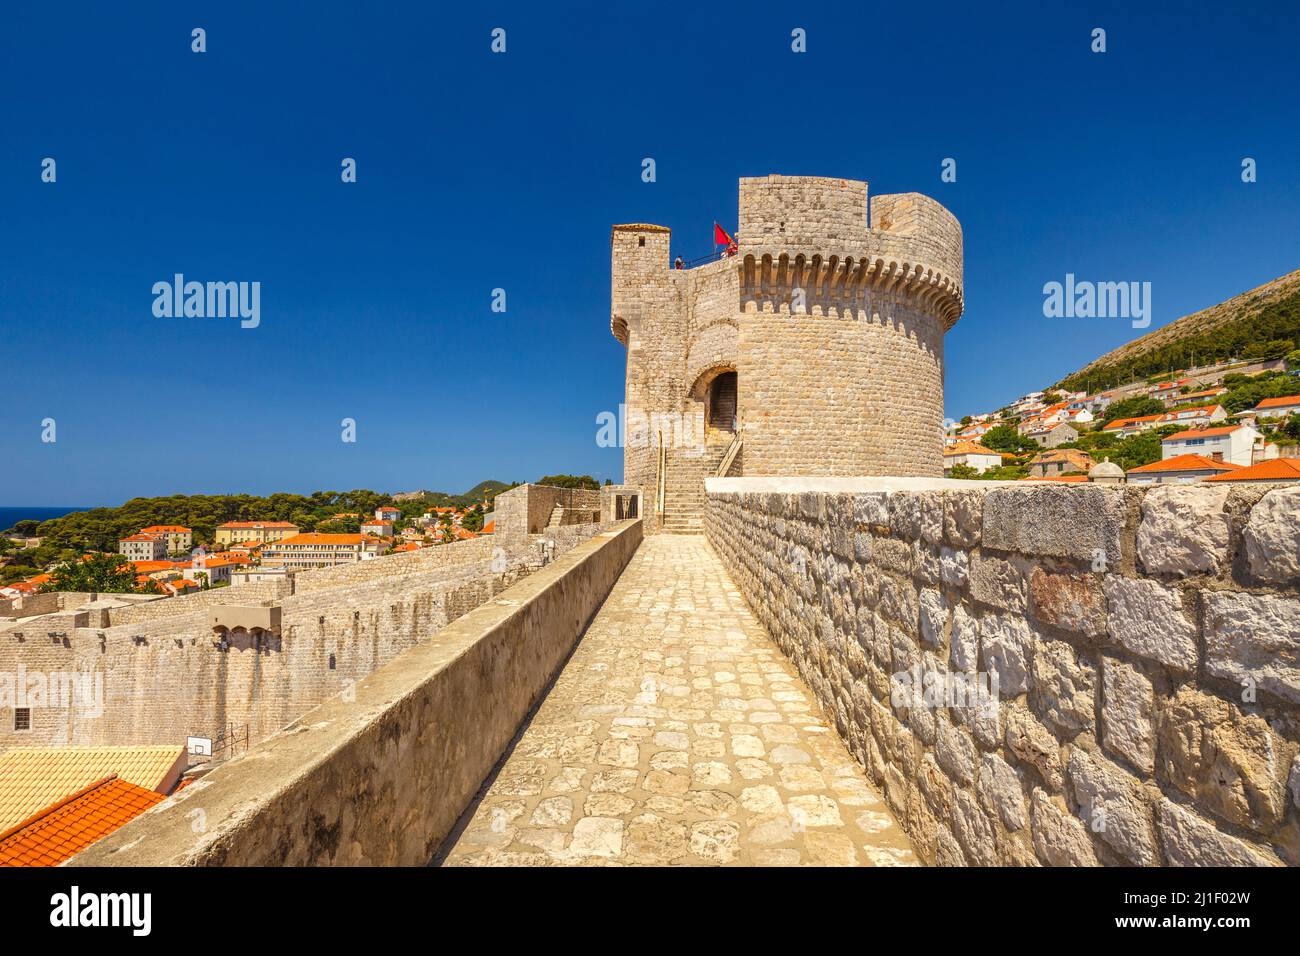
{"points": [[22, 718], [333, 662], [640, 240]]}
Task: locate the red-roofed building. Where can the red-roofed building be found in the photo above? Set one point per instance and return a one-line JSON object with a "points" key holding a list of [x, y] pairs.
{"points": [[1228, 443], [1277, 407], [1180, 469], [1276, 469], [179, 538], [66, 827], [259, 531], [144, 547]]}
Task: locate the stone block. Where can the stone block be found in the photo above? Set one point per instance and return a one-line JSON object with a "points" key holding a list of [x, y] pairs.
{"points": [[954, 567], [965, 640], [1032, 743], [1272, 536], [1147, 618], [1228, 762], [1072, 602], [1000, 791], [1184, 529], [997, 582], [1007, 646], [1254, 637], [934, 618], [962, 517], [1190, 841], [1059, 838], [1112, 804], [1128, 714], [1063, 687], [1083, 522]]}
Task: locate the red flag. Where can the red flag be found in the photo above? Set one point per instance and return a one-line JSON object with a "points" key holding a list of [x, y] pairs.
{"points": [[720, 237]]}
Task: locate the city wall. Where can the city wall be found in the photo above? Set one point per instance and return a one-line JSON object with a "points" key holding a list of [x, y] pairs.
{"points": [[1145, 642], [161, 674], [381, 779]]}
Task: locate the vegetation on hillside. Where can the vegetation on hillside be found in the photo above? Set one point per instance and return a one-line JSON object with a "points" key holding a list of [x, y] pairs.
{"points": [[1268, 332]]}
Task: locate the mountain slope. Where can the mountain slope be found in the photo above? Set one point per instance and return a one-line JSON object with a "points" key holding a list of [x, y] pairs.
{"points": [[1255, 324]]}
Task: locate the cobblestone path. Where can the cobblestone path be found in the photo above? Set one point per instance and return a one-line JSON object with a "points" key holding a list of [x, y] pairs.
{"points": [[678, 733]]}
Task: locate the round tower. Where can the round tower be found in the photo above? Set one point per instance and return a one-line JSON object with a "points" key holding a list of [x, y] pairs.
{"points": [[815, 349]]}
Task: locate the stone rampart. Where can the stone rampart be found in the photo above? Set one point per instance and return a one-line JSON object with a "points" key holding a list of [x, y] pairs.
{"points": [[380, 776], [1145, 645]]}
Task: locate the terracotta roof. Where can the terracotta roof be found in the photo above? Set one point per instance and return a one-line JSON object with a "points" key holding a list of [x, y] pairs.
{"points": [[1186, 463], [1125, 422], [32, 778], [258, 524], [490, 527], [69, 825], [1275, 469], [313, 538], [165, 529], [1204, 432], [1280, 402], [1056, 478], [968, 448], [143, 537], [1072, 456]]}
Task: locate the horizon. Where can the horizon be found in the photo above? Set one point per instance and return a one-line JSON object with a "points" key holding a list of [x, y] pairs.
{"points": [[375, 296]]}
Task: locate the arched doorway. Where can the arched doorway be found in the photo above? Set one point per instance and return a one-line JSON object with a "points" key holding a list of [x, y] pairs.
{"points": [[721, 402]]}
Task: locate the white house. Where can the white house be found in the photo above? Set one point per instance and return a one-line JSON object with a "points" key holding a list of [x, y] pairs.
{"points": [[971, 454], [1231, 443], [1278, 407]]}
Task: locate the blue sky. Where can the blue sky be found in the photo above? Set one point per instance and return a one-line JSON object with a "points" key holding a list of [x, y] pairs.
{"points": [[478, 171]]}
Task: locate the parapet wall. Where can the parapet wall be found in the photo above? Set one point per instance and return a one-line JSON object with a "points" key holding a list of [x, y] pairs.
{"points": [[1145, 645], [379, 778]]}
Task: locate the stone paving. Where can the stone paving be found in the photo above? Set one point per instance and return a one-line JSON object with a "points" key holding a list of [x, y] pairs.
{"points": [[679, 734]]}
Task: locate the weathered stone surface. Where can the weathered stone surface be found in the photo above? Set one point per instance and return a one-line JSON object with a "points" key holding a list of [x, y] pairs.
{"points": [[1007, 645], [1226, 761], [954, 567], [1293, 781], [1034, 744], [965, 640], [962, 517], [955, 752], [871, 509], [1147, 617], [1272, 536], [1254, 637], [1000, 791], [1184, 529], [973, 830], [1084, 523], [1059, 838], [1072, 602], [1063, 687], [997, 582], [1190, 841], [1112, 805], [934, 618], [1128, 714]]}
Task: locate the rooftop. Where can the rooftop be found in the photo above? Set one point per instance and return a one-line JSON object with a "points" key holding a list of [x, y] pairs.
{"points": [[69, 825], [1186, 463]]}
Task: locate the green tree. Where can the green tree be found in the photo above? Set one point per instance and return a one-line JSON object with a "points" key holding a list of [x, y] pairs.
{"points": [[103, 573], [1135, 407], [1006, 438]]}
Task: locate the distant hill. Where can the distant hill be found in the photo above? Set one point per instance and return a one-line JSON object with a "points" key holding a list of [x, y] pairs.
{"points": [[1259, 324]]}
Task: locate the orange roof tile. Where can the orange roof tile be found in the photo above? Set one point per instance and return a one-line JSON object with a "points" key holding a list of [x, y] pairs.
{"points": [[490, 527], [69, 825], [1186, 463], [1125, 422], [1057, 478], [315, 538], [1275, 469], [968, 448], [32, 778], [165, 529], [258, 524], [1281, 402], [1204, 432]]}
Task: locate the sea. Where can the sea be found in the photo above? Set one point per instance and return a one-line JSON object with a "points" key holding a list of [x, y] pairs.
{"points": [[11, 516]]}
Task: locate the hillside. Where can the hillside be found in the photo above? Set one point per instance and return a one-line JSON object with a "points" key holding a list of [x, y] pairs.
{"points": [[1261, 323]]}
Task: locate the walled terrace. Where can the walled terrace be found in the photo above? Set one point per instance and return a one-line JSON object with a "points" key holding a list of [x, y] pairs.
{"points": [[745, 697], [177, 667]]}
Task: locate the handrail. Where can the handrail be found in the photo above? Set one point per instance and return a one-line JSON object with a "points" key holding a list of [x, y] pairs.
{"points": [[660, 483], [730, 456]]}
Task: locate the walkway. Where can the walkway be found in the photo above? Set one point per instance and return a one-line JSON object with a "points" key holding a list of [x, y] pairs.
{"points": [[678, 733]]}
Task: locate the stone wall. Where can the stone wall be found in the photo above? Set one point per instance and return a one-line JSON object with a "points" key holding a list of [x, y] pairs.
{"points": [[163, 676], [380, 777], [1145, 643]]}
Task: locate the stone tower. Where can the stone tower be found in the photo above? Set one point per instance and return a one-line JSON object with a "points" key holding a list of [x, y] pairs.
{"points": [[817, 349]]}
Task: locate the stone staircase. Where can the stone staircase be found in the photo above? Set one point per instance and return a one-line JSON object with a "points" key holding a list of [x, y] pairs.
{"points": [[685, 498], [557, 517]]}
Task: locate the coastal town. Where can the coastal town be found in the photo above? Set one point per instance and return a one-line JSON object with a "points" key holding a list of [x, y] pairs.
{"points": [[164, 560], [1200, 424]]}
